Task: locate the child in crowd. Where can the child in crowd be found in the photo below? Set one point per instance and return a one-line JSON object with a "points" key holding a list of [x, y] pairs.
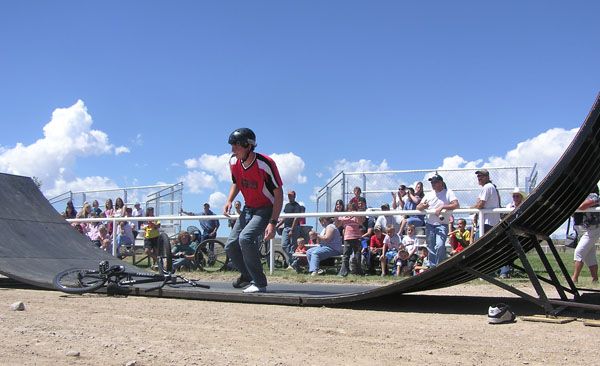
{"points": [[183, 252], [401, 261], [300, 249], [375, 248], [124, 237], [422, 263], [460, 238], [151, 235], [104, 238], [352, 237], [298, 258], [391, 246], [407, 258]]}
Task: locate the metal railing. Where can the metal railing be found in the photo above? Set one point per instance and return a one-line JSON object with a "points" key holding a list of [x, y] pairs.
{"points": [[376, 186], [164, 198]]}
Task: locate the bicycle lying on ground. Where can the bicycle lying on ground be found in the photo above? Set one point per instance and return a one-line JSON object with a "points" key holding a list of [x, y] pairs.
{"points": [[116, 278]]}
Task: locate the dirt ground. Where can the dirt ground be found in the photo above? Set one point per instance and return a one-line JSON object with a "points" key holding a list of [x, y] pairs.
{"points": [[445, 327]]}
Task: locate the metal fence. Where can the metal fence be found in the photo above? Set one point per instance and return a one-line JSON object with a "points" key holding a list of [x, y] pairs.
{"points": [[377, 186], [166, 199]]}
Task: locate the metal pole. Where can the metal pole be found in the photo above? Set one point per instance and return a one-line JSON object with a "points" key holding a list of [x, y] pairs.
{"points": [[114, 238], [271, 256]]}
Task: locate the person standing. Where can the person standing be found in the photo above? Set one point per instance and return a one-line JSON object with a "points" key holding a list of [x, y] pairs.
{"points": [[257, 177], [237, 210], [138, 211], [440, 198], [518, 197], [488, 198], [291, 228], [587, 225], [209, 227]]}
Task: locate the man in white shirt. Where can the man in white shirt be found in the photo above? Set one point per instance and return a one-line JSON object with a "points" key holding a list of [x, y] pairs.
{"points": [[441, 199], [488, 198], [385, 220]]}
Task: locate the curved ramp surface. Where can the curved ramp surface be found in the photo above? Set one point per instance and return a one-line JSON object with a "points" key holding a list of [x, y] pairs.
{"points": [[36, 243]]}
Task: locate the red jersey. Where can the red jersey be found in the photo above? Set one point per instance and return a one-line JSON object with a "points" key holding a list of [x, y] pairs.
{"points": [[376, 242], [258, 181]]}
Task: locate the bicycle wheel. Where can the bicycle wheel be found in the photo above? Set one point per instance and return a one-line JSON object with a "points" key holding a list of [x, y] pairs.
{"points": [[279, 260], [211, 256], [263, 246], [79, 281]]}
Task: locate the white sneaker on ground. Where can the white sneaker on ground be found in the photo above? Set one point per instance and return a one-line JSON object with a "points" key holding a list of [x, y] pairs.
{"points": [[253, 289], [500, 314]]}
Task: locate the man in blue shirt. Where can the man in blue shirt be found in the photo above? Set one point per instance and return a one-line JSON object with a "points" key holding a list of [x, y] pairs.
{"points": [[209, 227]]}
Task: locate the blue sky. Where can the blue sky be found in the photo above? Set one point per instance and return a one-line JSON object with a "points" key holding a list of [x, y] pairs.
{"points": [[121, 93]]}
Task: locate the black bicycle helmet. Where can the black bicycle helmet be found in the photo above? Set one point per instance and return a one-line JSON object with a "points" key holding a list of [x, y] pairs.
{"points": [[242, 136]]}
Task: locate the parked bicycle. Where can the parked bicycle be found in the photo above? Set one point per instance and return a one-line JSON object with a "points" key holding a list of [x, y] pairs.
{"points": [[210, 254], [264, 249]]}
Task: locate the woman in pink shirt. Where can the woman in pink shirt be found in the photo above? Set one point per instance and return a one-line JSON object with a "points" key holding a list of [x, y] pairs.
{"points": [[352, 236]]}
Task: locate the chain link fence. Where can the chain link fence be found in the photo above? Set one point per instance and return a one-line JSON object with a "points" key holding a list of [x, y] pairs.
{"points": [[377, 187], [166, 199]]}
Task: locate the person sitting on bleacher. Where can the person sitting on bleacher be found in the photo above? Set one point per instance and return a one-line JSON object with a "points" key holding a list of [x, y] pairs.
{"points": [[183, 252], [408, 257], [105, 238], [391, 246], [375, 249], [460, 238], [300, 250], [330, 245], [422, 263]]}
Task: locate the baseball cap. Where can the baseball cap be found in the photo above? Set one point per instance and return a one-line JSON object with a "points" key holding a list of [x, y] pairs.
{"points": [[436, 177], [482, 172]]}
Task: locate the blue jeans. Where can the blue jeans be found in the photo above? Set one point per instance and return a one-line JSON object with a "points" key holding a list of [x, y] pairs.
{"points": [[436, 243], [180, 262], [242, 246], [317, 254], [415, 220], [289, 239]]}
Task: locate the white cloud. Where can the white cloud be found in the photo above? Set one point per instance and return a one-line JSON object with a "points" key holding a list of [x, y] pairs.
{"points": [[215, 164], [217, 201], [67, 137], [290, 168], [80, 184], [122, 150], [358, 166], [198, 181], [544, 150]]}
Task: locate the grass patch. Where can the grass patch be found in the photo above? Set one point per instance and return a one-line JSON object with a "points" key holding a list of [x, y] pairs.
{"points": [[290, 276]]}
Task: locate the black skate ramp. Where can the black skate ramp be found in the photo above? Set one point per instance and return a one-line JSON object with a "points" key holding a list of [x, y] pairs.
{"points": [[36, 242]]}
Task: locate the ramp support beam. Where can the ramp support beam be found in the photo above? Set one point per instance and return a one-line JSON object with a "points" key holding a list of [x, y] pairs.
{"points": [[550, 306]]}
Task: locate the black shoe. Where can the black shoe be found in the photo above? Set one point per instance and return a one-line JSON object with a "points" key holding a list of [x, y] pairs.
{"points": [[343, 271], [240, 282]]}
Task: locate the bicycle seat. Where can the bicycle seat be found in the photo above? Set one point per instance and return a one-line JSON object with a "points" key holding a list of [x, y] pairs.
{"points": [[116, 268]]}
